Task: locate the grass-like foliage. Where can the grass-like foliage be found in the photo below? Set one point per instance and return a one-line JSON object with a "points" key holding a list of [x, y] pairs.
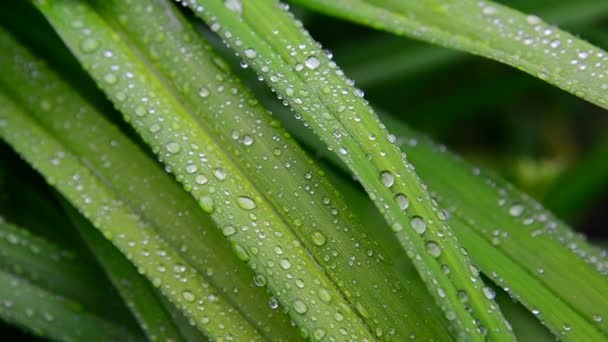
{"points": [[180, 202]]}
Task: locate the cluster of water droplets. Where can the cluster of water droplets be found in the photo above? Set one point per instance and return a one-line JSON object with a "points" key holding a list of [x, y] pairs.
{"points": [[567, 61]]}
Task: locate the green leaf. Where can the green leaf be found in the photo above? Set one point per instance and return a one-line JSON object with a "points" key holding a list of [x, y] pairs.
{"points": [[32, 291], [119, 223], [139, 182], [141, 298], [504, 230], [378, 59], [294, 65], [254, 140], [491, 30]]}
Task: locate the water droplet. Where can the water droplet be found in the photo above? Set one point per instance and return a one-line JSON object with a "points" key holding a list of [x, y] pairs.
{"points": [[318, 238], [259, 280], [234, 5], [402, 201], [434, 249], [312, 62], [228, 230], [300, 306], [463, 296], [206, 203], [397, 227], [201, 179], [489, 292], [110, 78], [245, 203], [318, 334], [273, 303], [387, 178], [285, 264], [418, 224], [203, 92], [247, 140], [191, 168], [220, 174], [516, 210], [89, 45], [188, 296], [173, 147], [250, 53], [241, 253], [141, 111], [324, 295]]}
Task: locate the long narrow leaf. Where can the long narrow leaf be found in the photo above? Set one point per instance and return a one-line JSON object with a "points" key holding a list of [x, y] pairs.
{"points": [[137, 291], [42, 309], [263, 239], [317, 214], [123, 226], [138, 181], [294, 65], [491, 30]]}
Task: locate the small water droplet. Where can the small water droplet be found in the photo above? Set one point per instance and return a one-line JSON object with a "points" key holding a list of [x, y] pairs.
{"points": [[228, 230], [516, 210], [324, 295], [312, 62], [246, 203], [387, 178], [299, 306], [489, 292], [418, 224], [250, 53], [89, 45], [285, 264], [318, 238], [234, 5], [203, 92], [173, 147], [188, 296], [220, 174], [206, 203], [433, 249], [402, 201], [247, 140]]}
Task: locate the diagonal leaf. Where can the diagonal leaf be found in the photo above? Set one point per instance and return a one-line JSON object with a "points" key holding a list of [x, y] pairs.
{"points": [[141, 298], [503, 231], [316, 213], [133, 236], [395, 57], [138, 181], [293, 64], [491, 30], [264, 240], [45, 310]]}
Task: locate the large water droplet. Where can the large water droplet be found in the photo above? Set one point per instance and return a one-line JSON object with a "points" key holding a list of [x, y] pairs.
{"points": [[489, 292], [203, 92], [89, 45], [299, 306], [235, 6], [206, 203], [285, 264], [245, 203], [387, 178], [173, 147], [418, 224], [188, 296], [402, 201], [433, 249], [312, 62], [318, 238]]}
